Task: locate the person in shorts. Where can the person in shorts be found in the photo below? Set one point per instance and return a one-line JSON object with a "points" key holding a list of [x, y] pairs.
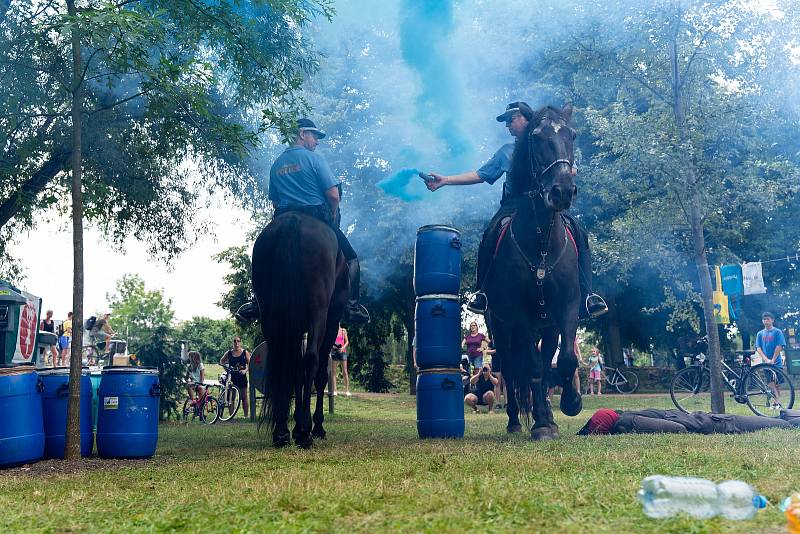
{"points": [[238, 359], [595, 371], [484, 383], [473, 342], [65, 341], [339, 356], [769, 344], [196, 376]]}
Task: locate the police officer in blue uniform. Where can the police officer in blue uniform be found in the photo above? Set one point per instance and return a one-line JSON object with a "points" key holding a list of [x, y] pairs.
{"points": [[516, 118], [301, 180]]}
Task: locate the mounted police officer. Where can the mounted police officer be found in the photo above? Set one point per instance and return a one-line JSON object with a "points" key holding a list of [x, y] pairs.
{"points": [[516, 118], [301, 180]]}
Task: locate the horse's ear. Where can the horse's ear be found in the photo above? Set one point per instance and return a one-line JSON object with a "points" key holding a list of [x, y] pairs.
{"points": [[566, 111]]}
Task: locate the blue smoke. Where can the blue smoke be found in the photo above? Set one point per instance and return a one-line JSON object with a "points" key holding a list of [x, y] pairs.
{"points": [[406, 185], [425, 30]]}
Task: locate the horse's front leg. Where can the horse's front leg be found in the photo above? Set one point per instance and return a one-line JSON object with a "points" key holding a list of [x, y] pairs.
{"points": [[541, 429], [302, 429], [571, 403], [548, 350]]}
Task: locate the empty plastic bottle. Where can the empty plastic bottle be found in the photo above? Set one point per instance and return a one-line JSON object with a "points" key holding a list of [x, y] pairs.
{"points": [[664, 496], [791, 507]]}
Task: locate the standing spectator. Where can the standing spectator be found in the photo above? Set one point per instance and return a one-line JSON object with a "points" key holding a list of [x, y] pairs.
{"points": [[484, 383], [554, 378], [238, 359], [48, 325], [769, 344], [197, 375], [473, 341], [595, 371], [339, 356], [65, 341]]}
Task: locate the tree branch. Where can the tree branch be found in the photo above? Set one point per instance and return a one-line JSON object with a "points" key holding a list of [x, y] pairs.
{"points": [[118, 102], [35, 184]]}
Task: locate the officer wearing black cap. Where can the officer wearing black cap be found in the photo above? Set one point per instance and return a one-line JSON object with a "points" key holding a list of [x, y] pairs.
{"points": [[516, 117], [301, 180]]}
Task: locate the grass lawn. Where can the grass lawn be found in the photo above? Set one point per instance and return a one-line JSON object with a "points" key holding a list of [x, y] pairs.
{"points": [[374, 474]]}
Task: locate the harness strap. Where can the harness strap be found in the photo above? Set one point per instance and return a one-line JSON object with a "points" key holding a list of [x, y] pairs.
{"points": [[506, 226], [571, 238]]}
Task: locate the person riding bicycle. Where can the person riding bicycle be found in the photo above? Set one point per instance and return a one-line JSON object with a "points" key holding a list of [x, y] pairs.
{"points": [[196, 375], [238, 359], [516, 117], [101, 332], [300, 180]]}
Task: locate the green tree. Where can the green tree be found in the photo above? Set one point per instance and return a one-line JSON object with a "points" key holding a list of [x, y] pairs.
{"points": [[210, 337], [159, 350], [131, 93], [683, 132], [138, 312]]}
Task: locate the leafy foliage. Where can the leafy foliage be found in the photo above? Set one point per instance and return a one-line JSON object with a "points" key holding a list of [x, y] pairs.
{"points": [[137, 313], [210, 337], [159, 350]]}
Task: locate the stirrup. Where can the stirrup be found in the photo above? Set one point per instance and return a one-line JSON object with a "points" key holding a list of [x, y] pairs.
{"points": [[356, 313], [248, 312], [479, 303], [595, 305]]}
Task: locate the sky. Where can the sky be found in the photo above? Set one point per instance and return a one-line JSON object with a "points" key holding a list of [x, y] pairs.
{"points": [[193, 283]]}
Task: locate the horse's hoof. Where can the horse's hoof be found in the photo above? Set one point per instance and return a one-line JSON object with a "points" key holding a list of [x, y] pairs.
{"points": [[514, 429], [304, 442], [318, 433], [542, 433], [281, 440], [571, 404]]}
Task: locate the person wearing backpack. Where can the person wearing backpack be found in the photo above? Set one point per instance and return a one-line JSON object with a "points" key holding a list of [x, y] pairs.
{"points": [[101, 331]]}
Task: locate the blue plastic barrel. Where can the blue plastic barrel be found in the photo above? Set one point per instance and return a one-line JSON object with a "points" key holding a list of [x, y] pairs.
{"points": [[21, 428], [127, 418], [54, 411], [437, 260], [95, 375], [440, 404], [437, 320]]}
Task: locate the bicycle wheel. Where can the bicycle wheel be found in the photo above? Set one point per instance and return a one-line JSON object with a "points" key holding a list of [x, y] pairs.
{"points": [[209, 411], [627, 383], [760, 397], [188, 410], [690, 389], [229, 406]]}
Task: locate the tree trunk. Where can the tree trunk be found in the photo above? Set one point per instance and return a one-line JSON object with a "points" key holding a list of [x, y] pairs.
{"points": [[35, 184], [698, 236], [73, 438], [614, 352], [412, 373]]}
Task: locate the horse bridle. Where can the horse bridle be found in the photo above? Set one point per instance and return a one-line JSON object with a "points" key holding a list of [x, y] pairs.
{"points": [[544, 239]]}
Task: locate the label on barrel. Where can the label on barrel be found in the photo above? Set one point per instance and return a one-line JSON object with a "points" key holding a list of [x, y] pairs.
{"points": [[111, 403]]}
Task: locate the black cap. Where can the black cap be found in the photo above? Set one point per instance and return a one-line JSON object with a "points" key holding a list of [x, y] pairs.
{"points": [[584, 431], [307, 125], [516, 107]]}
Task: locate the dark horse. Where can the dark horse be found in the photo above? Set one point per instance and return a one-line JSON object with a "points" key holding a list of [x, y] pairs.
{"points": [[300, 282], [532, 284]]}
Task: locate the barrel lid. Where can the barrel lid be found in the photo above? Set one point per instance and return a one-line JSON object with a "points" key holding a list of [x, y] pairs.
{"points": [[434, 227], [55, 371], [109, 369], [438, 297]]}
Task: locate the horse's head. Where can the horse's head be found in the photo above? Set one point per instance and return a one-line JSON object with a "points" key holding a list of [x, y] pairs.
{"points": [[551, 156]]}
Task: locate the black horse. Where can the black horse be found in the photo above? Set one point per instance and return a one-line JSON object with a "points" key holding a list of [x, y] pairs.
{"points": [[532, 284], [301, 284]]}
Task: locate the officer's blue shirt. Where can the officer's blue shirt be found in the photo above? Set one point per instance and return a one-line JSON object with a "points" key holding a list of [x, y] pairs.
{"points": [[300, 177], [499, 164]]}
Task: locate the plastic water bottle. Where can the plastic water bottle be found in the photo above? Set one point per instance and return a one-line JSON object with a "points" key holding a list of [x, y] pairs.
{"points": [[664, 496]]}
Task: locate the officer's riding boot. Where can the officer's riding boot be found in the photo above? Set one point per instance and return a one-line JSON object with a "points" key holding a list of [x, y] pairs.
{"points": [[593, 304], [248, 312], [354, 312], [478, 303]]}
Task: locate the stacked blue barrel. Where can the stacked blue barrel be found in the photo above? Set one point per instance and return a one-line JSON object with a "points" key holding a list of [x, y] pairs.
{"points": [[437, 277], [21, 427]]}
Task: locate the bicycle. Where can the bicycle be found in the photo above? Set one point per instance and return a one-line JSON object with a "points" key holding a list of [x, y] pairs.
{"points": [[205, 407], [690, 388], [229, 397], [626, 381]]}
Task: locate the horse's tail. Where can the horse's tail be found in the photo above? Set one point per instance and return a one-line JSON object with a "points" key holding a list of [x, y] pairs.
{"points": [[519, 375], [283, 302]]}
